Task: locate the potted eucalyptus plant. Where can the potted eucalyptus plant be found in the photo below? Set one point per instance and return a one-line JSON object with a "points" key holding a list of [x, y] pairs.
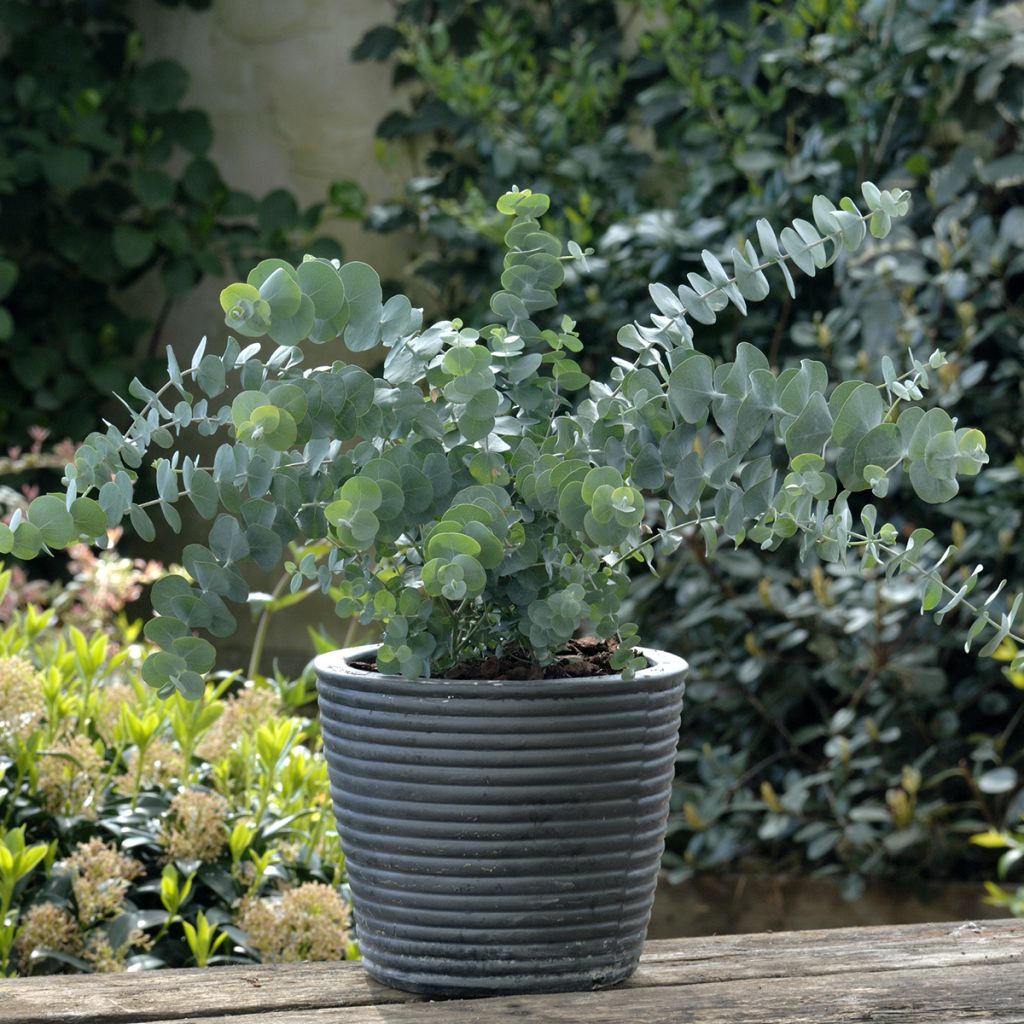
{"points": [[501, 784]]}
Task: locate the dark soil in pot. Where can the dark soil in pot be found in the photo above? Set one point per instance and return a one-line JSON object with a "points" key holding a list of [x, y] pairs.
{"points": [[500, 835], [586, 656]]}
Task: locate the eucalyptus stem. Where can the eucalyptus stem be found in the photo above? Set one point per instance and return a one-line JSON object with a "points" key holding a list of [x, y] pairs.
{"points": [[260, 638], [157, 395], [477, 623], [936, 577], [657, 536]]}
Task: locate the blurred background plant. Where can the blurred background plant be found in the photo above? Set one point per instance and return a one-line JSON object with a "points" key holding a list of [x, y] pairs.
{"points": [[1013, 845], [106, 183], [140, 833], [528, 93], [828, 727], [21, 466]]}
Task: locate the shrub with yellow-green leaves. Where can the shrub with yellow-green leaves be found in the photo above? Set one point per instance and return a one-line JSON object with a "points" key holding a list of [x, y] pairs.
{"points": [[1011, 859], [141, 832]]}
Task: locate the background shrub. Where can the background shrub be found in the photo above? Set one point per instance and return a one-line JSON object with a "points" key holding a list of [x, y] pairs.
{"points": [[105, 182], [827, 727], [136, 832]]}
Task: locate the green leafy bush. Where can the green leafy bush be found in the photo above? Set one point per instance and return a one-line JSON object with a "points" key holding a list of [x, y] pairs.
{"points": [[137, 832], [721, 114], [1012, 843], [826, 735], [930, 97], [503, 93], [738, 113], [466, 504], [105, 179]]}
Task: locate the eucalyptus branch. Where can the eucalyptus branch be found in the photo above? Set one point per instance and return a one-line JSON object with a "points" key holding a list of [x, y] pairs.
{"points": [[701, 300], [260, 638], [468, 445], [463, 643], [153, 401], [659, 535], [958, 597]]}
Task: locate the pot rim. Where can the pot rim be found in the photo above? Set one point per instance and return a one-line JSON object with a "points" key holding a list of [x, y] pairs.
{"points": [[338, 663]]}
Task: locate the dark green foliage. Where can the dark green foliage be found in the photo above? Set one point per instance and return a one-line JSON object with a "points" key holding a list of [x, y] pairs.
{"points": [[931, 101], [502, 94], [105, 178], [736, 109]]}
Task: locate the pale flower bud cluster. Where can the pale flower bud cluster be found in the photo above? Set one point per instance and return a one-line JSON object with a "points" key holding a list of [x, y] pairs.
{"points": [[47, 926], [243, 714], [161, 765], [106, 959], [21, 702], [196, 826], [100, 876], [71, 777], [306, 923]]}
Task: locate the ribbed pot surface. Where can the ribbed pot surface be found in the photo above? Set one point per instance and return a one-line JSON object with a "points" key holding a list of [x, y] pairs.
{"points": [[500, 836]]}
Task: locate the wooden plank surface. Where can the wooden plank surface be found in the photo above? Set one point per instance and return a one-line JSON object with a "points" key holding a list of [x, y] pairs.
{"points": [[919, 974]]}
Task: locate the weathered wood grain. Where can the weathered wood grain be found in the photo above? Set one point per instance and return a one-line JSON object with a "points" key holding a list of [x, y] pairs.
{"points": [[161, 995], [922, 974], [893, 997]]}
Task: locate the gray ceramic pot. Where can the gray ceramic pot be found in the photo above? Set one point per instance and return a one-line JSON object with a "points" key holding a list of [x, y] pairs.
{"points": [[500, 836]]}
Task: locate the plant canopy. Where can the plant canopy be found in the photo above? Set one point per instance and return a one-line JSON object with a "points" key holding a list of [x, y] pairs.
{"points": [[483, 494]]}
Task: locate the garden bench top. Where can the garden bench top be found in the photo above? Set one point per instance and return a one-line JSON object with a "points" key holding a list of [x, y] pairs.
{"points": [[913, 974]]}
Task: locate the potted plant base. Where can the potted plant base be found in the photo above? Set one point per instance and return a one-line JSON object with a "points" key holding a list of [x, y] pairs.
{"points": [[500, 836]]}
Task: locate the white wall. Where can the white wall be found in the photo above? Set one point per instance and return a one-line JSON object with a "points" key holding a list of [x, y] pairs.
{"points": [[288, 104], [289, 108]]}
